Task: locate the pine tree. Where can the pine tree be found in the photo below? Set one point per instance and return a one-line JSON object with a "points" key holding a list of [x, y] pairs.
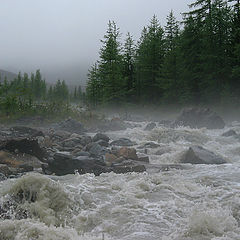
{"points": [[128, 63], [169, 72], [110, 66], [94, 88], [149, 58]]}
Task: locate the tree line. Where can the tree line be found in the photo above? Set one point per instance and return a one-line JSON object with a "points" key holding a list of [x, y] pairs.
{"points": [[195, 61], [34, 88], [26, 95]]}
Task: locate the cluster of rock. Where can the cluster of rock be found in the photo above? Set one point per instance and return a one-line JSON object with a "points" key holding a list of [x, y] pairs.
{"points": [[64, 149]]}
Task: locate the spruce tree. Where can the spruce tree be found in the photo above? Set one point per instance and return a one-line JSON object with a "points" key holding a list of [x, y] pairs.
{"points": [[128, 63], [169, 73], [110, 66], [149, 58]]}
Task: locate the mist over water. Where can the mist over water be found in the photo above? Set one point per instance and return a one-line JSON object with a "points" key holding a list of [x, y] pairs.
{"points": [[200, 202]]}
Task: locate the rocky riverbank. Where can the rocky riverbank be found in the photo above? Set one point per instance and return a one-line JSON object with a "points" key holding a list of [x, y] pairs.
{"points": [[68, 147]]}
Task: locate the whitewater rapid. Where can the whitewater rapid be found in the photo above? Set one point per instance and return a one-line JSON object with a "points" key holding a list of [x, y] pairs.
{"points": [[200, 202]]}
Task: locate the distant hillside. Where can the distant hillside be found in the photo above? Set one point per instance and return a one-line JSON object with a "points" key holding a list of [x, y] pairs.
{"points": [[10, 76]]}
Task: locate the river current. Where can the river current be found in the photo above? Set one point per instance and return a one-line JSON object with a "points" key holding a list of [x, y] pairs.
{"points": [[199, 202]]}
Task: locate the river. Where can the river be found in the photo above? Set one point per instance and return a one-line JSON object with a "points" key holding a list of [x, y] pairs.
{"points": [[199, 202]]}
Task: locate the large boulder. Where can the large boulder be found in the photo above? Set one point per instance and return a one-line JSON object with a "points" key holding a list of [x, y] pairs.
{"points": [[230, 133], [23, 145], [20, 131], [101, 136], [128, 153], [95, 149], [199, 117], [63, 164], [199, 155]]}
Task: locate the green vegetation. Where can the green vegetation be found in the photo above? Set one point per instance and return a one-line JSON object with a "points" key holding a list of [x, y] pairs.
{"points": [[197, 62], [29, 96]]}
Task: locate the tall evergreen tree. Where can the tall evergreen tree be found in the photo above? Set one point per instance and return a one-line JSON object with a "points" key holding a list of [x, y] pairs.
{"points": [[128, 63], [169, 72], [110, 66], [149, 58]]}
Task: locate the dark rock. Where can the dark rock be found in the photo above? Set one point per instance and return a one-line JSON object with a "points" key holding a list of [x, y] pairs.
{"points": [[85, 140], [125, 142], [71, 125], [200, 117], [103, 143], [26, 131], [149, 145], [72, 142], [95, 149], [150, 126], [2, 178], [143, 159], [199, 155], [4, 170], [60, 134], [65, 164], [23, 145], [101, 136], [229, 133], [81, 153]]}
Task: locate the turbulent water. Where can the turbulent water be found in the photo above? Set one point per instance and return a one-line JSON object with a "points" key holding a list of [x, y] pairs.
{"points": [[200, 202]]}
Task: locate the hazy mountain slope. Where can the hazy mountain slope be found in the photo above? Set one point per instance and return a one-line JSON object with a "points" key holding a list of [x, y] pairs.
{"points": [[10, 76]]}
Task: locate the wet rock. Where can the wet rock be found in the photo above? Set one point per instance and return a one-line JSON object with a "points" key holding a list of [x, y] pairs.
{"points": [[110, 159], [149, 145], [95, 149], [21, 162], [71, 125], [199, 155], [229, 133], [143, 158], [81, 153], [63, 164], [23, 145], [101, 136], [103, 143], [199, 117], [128, 153], [4, 170], [71, 142], [125, 142], [150, 126], [60, 134], [85, 140], [2, 178], [26, 131]]}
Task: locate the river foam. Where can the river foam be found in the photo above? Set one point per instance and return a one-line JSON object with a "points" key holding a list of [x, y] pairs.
{"points": [[201, 202]]}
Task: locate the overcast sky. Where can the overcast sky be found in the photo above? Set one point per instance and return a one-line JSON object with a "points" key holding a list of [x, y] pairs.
{"points": [[62, 37]]}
